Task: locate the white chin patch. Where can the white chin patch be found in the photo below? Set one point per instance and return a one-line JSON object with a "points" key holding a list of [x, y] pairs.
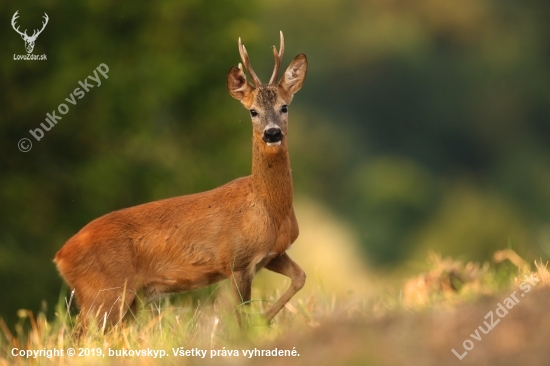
{"points": [[273, 143]]}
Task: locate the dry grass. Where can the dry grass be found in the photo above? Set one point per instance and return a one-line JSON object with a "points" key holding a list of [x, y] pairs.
{"points": [[163, 326], [447, 319], [438, 311]]}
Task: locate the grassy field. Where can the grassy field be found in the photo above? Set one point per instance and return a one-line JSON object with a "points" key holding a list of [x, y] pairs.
{"points": [[344, 316], [440, 310]]}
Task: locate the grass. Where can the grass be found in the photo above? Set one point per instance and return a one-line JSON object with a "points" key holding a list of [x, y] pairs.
{"points": [[208, 324]]}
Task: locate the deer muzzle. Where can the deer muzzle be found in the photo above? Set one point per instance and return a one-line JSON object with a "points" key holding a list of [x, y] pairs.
{"points": [[272, 136]]}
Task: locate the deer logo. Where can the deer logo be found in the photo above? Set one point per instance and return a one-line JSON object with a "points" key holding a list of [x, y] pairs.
{"points": [[29, 40]]}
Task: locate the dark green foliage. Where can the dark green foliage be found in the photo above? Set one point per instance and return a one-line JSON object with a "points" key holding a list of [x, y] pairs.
{"points": [[425, 124], [157, 127]]}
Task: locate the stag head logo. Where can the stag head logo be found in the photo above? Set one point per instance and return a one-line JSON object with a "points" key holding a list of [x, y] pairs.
{"points": [[29, 40]]}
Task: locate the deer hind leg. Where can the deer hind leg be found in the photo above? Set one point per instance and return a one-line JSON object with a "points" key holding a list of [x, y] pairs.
{"points": [[285, 266], [106, 305]]}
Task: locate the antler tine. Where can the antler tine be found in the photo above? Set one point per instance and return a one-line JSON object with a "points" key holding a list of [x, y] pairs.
{"points": [[13, 20], [278, 59], [246, 61], [46, 18]]}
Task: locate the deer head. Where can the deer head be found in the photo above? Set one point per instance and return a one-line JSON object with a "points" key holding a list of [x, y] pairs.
{"points": [[268, 104], [29, 40]]}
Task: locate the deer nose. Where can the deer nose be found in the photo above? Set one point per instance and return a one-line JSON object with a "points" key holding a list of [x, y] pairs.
{"points": [[272, 135]]}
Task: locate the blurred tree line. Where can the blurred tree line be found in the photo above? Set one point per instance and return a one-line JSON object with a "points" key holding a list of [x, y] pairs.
{"points": [[425, 124]]}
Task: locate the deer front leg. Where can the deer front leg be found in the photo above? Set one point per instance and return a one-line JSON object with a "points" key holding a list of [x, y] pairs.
{"points": [[241, 283], [285, 266]]}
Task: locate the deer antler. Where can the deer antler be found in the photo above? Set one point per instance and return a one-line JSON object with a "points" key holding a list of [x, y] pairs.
{"points": [[24, 34], [35, 35], [278, 59], [246, 61], [13, 19]]}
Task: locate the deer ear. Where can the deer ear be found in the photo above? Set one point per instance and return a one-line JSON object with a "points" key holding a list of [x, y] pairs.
{"points": [[295, 74], [237, 84]]}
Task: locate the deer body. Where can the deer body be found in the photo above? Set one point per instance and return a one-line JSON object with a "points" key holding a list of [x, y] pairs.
{"points": [[188, 242]]}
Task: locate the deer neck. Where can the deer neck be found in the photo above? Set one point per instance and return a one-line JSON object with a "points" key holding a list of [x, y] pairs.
{"points": [[271, 177]]}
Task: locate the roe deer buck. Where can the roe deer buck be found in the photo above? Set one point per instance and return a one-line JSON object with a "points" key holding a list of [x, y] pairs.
{"points": [[184, 243]]}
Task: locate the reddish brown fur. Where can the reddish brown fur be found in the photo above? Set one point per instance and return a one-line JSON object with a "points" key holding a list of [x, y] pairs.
{"points": [[188, 242]]}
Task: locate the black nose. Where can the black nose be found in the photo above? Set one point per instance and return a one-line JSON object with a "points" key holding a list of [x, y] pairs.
{"points": [[273, 135]]}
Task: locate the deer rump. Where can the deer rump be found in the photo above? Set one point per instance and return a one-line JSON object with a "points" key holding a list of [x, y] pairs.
{"points": [[172, 245]]}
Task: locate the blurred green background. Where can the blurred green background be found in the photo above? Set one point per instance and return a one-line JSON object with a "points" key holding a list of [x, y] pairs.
{"points": [[423, 124]]}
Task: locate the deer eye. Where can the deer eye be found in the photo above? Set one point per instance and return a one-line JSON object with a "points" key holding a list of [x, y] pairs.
{"points": [[253, 113], [284, 108]]}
